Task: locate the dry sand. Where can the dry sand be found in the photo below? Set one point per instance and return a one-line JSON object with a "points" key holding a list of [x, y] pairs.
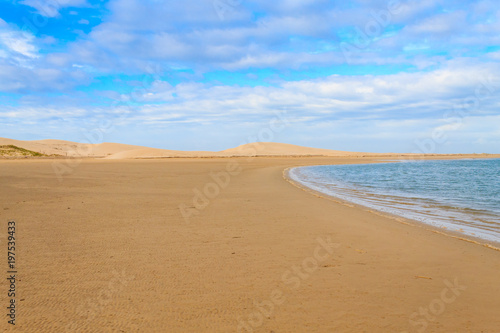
{"points": [[108, 250]]}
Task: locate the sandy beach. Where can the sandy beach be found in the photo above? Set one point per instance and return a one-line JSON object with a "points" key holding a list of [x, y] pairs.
{"points": [[227, 245], [151, 154]]}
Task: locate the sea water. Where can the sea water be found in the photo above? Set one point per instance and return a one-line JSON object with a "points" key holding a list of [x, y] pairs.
{"points": [[458, 195]]}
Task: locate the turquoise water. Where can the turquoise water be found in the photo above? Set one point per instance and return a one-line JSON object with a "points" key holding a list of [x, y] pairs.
{"points": [[459, 195]]}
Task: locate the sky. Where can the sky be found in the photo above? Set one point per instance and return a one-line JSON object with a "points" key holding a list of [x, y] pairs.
{"points": [[364, 75]]}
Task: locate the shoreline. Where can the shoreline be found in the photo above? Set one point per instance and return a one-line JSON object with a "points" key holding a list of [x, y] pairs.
{"points": [[108, 249], [398, 218], [397, 157]]}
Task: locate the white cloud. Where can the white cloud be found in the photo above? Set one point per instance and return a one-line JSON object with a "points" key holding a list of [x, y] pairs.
{"points": [[17, 79], [17, 46], [292, 34], [23, 67], [341, 112], [399, 96], [50, 8], [440, 24]]}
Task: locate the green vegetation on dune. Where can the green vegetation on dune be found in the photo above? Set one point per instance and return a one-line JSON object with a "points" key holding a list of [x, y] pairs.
{"points": [[11, 150]]}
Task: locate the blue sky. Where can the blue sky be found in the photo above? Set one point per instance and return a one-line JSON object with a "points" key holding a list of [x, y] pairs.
{"points": [[378, 76]]}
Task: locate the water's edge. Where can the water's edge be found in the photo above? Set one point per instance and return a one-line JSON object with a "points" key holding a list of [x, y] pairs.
{"points": [[398, 218]]}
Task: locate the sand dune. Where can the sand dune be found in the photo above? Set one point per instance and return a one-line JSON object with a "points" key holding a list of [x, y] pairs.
{"points": [[281, 149], [69, 148], [158, 153], [31, 145], [123, 151], [250, 149]]}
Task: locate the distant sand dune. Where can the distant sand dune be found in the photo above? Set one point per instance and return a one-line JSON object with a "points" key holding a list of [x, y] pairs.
{"points": [[281, 149], [71, 149], [158, 153], [123, 151]]}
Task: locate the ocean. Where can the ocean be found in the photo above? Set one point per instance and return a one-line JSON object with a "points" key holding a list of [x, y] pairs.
{"points": [[459, 195]]}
